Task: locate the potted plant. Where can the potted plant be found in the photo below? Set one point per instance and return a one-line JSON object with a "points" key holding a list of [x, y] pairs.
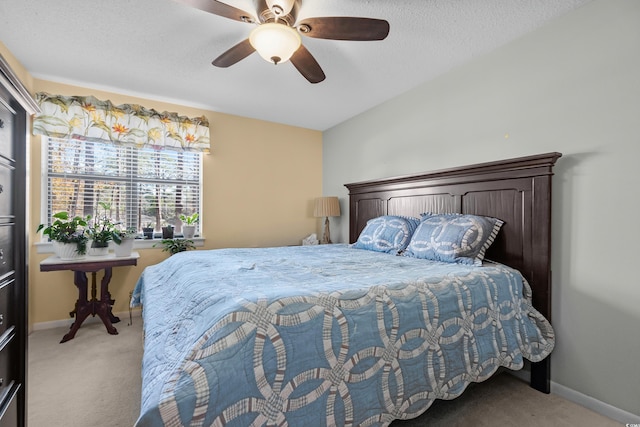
{"points": [[167, 231], [173, 246], [123, 240], [189, 224], [68, 235], [147, 231], [100, 233]]}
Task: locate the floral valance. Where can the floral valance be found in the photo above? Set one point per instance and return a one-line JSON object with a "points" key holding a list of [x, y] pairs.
{"points": [[88, 118]]}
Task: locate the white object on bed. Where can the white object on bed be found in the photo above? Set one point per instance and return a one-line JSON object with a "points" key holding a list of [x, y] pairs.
{"points": [[311, 239]]}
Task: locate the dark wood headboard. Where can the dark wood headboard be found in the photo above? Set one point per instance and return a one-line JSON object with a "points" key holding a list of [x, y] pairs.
{"points": [[517, 191]]}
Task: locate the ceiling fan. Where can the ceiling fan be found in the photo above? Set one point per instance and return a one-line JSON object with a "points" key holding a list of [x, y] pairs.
{"points": [[277, 35]]}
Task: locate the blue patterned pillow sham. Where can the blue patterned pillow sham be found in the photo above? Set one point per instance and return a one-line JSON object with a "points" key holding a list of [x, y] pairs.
{"points": [[388, 233], [458, 238]]}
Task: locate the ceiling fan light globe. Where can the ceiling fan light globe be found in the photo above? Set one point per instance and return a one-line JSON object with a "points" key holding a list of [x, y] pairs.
{"points": [[273, 40]]}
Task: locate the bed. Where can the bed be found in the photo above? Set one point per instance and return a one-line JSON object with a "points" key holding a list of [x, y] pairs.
{"points": [[347, 335]]}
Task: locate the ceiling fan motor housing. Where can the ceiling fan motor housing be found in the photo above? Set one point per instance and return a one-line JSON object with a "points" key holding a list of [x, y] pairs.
{"points": [[277, 11]]}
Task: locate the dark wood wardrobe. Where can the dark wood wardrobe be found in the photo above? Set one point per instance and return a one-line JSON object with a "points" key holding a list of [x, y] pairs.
{"points": [[16, 105]]}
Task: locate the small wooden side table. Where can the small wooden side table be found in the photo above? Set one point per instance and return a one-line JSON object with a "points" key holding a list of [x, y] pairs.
{"points": [[84, 306]]}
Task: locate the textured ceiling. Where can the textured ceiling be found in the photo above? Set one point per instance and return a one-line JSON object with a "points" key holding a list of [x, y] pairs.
{"points": [[162, 50]]}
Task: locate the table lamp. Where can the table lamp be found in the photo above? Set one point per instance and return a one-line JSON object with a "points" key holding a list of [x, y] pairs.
{"points": [[326, 207]]}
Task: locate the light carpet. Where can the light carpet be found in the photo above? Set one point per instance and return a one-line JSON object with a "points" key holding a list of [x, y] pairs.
{"points": [[91, 381], [94, 381]]}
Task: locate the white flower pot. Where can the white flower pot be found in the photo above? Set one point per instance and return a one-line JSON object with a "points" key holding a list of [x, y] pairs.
{"points": [[189, 231], [97, 250], [124, 248], [66, 251]]}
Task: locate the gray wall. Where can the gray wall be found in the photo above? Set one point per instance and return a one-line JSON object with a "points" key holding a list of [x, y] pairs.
{"points": [[573, 87]]}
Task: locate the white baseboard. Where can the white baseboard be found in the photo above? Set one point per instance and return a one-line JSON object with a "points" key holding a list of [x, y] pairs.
{"points": [[595, 405], [91, 319]]}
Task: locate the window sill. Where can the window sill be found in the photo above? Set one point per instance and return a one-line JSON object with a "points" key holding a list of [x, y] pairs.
{"points": [[47, 247]]}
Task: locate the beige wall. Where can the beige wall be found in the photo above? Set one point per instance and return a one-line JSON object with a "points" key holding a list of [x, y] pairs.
{"points": [[17, 67], [258, 186], [574, 87]]}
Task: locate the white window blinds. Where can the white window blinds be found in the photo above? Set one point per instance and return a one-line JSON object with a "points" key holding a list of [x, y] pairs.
{"points": [[142, 186]]}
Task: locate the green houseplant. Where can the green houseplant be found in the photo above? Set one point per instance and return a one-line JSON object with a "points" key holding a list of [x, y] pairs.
{"points": [[123, 240], [167, 231], [190, 219], [67, 234], [118, 235], [189, 224], [173, 246], [147, 231], [100, 231]]}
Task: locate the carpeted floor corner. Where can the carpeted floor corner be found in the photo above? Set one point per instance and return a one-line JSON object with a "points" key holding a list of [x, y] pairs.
{"points": [[505, 400]]}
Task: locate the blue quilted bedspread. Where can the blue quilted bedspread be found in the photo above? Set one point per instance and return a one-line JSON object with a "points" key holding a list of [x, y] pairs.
{"points": [[324, 335]]}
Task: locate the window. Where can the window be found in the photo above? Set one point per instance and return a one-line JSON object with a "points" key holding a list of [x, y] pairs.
{"points": [[141, 186]]}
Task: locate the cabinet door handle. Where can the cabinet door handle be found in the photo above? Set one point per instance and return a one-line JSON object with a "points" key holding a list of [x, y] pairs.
{"points": [[1, 124], [1, 253], [1, 319]]}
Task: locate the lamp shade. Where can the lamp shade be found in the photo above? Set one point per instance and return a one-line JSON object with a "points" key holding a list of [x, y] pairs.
{"points": [[326, 206], [276, 43]]}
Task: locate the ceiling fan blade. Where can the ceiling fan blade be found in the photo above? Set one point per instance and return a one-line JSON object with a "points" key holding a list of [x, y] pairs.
{"points": [[345, 28], [235, 54], [307, 65], [220, 9]]}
